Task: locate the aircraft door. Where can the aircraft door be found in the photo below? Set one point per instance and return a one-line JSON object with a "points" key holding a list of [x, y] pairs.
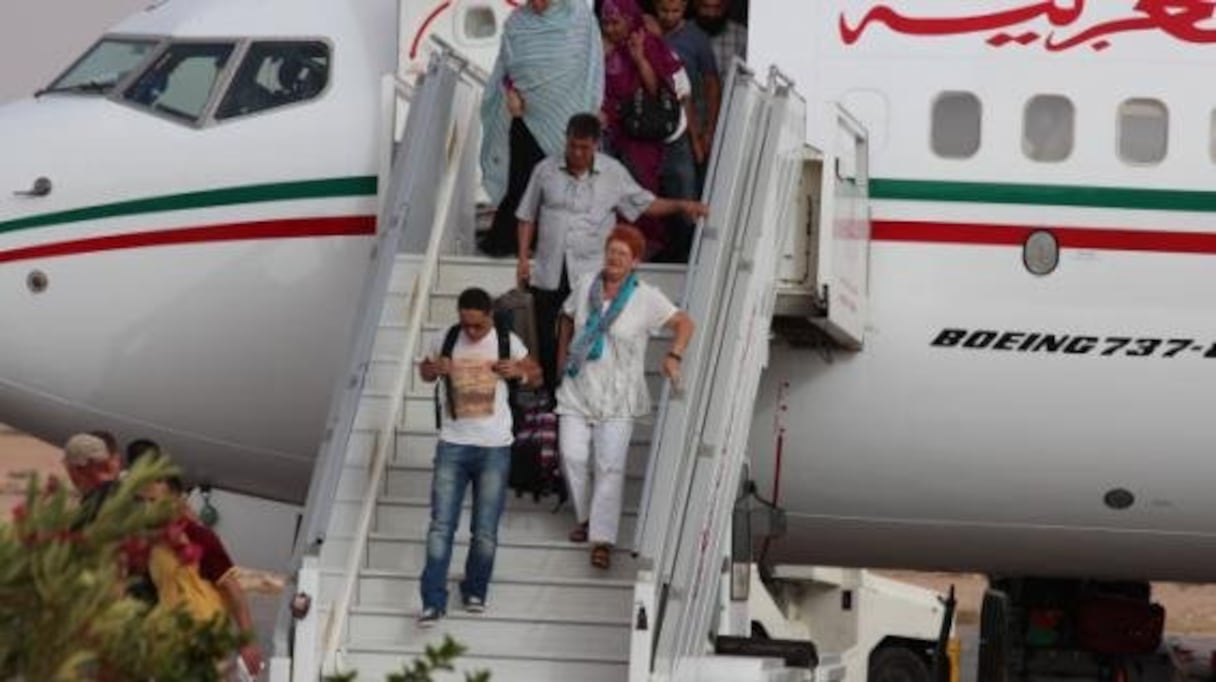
{"points": [[471, 27], [841, 238]]}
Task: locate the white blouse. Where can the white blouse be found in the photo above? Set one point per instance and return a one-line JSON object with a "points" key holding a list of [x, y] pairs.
{"points": [[614, 387]]}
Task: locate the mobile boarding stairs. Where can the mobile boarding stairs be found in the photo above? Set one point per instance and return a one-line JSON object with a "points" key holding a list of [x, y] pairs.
{"points": [[551, 616]]}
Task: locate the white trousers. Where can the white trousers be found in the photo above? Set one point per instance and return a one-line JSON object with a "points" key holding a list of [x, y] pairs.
{"points": [[610, 439]]}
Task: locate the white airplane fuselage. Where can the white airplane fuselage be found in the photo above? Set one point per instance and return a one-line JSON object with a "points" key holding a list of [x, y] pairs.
{"points": [[200, 279], [999, 420], [195, 281]]}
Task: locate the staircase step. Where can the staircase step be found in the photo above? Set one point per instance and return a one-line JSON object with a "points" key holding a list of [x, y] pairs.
{"points": [[524, 521], [415, 481], [522, 597], [416, 448], [490, 634], [557, 559], [551, 615], [375, 663]]}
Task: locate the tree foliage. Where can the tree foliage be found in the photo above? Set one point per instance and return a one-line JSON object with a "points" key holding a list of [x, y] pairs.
{"points": [[64, 608], [434, 659]]}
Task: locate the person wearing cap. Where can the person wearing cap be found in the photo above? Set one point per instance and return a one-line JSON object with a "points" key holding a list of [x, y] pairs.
{"points": [[93, 469]]}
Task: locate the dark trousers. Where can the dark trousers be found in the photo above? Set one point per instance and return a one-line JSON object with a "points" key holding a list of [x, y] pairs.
{"points": [[678, 181], [524, 154], [548, 308]]}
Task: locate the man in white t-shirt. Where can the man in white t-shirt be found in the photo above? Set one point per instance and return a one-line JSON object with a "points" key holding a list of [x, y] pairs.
{"points": [[474, 448]]}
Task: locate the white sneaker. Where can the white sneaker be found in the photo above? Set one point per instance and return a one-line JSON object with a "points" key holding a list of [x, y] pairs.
{"points": [[429, 617], [474, 604]]}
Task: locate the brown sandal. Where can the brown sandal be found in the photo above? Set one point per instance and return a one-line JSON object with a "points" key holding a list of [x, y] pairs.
{"points": [[601, 556], [579, 534]]}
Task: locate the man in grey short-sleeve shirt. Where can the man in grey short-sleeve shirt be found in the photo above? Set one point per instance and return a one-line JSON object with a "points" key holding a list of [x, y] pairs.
{"points": [[575, 200]]}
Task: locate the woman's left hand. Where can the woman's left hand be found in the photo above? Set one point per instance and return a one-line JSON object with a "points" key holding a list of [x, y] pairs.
{"points": [[672, 368]]}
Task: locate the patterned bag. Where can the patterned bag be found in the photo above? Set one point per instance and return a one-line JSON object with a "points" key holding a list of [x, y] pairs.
{"points": [[535, 461]]}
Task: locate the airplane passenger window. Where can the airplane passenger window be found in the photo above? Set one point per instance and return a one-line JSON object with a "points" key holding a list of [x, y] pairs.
{"points": [[276, 74], [1212, 136], [180, 82], [100, 69], [1143, 131], [955, 124], [1047, 128], [479, 23]]}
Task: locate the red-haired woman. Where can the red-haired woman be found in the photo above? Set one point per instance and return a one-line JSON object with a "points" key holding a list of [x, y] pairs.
{"points": [[605, 325]]}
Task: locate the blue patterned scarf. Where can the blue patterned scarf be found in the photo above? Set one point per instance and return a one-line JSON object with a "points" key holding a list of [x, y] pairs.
{"points": [[590, 344]]}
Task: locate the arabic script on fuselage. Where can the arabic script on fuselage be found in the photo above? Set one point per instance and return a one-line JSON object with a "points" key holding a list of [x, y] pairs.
{"points": [[1059, 25]]}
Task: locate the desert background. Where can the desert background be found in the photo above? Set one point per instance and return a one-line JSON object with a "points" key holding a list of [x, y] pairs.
{"points": [[1191, 609]]}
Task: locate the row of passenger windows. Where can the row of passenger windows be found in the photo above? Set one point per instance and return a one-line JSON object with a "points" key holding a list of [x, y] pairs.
{"points": [[1049, 128]]}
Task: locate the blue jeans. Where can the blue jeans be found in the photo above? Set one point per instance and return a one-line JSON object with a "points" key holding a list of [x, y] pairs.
{"points": [[679, 175], [678, 181], [456, 466]]}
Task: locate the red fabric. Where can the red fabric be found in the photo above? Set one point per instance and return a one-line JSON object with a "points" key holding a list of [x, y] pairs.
{"points": [[1117, 625], [214, 562]]}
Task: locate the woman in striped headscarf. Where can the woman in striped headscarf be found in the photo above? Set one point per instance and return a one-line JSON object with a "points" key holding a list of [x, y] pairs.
{"points": [[550, 66]]}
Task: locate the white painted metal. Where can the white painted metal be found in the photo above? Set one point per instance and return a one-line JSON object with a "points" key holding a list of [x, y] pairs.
{"points": [[742, 352], [677, 415], [812, 599], [551, 617], [306, 660], [463, 123], [907, 455], [843, 238], [688, 502], [189, 350]]}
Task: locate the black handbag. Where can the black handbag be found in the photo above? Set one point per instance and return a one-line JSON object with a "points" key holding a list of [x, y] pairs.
{"points": [[650, 117]]}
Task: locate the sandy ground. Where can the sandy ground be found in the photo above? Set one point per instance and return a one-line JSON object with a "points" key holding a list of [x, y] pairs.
{"points": [[21, 454], [18, 454]]}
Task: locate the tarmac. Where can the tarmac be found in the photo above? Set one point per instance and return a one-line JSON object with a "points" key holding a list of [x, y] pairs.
{"points": [[1190, 609]]}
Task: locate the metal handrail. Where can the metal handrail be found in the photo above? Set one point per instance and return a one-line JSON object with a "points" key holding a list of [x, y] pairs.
{"points": [[331, 456], [650, 535], [385, 439], [747, 305]]}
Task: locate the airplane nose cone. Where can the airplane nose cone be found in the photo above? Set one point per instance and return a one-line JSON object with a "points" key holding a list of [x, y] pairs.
{"points": [[45, 140]]}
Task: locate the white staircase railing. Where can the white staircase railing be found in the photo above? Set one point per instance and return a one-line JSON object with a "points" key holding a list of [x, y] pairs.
{"points": [[439, 124], [456, 114], [698, 451]]}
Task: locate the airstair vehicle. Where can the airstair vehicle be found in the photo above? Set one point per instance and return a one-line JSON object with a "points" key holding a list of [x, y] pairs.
{"points": [[776, 206]]}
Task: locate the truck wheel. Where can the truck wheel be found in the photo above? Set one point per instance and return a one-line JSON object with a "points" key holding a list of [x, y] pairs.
{"points": [[896, 664], [994, 637]]}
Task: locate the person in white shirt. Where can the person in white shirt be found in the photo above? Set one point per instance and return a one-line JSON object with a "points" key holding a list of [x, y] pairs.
{"points": [[605, 326], [570, 205], [474, 448]]}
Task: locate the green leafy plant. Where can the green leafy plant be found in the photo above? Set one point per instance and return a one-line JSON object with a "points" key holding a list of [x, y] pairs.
{"points": [[435, 658], [64, 608]]}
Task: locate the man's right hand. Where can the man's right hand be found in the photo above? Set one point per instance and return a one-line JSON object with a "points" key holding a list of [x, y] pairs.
{"points": [[436, 368], [523, 272]]}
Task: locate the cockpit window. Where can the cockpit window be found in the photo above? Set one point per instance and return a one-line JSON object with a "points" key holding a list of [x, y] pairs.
{"points": [[276, 74], [103, 66], [180, 82]]}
